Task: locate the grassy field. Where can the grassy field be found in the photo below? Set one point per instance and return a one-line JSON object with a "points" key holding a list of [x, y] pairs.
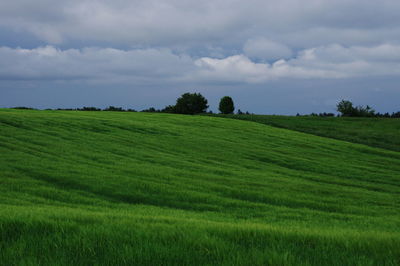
{"points": [[376, 132], [109, 188]]}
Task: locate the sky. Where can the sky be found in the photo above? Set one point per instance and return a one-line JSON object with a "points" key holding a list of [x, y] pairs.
{"points": [[271, 57]]}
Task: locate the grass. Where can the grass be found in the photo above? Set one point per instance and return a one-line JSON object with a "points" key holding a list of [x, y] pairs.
{"points": [[109, 188], [376, 132]]}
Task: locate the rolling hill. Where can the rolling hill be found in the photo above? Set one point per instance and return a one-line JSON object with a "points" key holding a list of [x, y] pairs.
{"points": [[375, 132], [113, 188]]}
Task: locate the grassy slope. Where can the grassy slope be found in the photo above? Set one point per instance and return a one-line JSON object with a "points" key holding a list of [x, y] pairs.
{"points": [[123, 188], [376, 132]]}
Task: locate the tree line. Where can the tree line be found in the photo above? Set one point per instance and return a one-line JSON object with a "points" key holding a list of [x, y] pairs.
{"points": [[346, 108], [187, 103], [195, 103]]}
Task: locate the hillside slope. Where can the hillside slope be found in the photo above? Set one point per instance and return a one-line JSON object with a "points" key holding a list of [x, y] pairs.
{"points": [[111, 188], [375, 132]]}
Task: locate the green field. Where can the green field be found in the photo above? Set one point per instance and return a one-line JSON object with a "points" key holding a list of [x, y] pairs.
{"points": [[376, 132], [114, 188]]}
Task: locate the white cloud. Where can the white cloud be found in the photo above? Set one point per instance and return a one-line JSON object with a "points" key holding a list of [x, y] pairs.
{"points": [[103, 64], [240, 68], [334, 61], [157, 66], [237, 68]]}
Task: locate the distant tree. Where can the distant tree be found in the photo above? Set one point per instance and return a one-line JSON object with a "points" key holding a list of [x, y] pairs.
{"points": [[324, 114], [23, 108], [226, 105], [345, 108], [86, 108], [66, 109], [239, 112], [114, 109], [191, 103], [169, 109], [151, 110], [364, 111], [395, 115]]}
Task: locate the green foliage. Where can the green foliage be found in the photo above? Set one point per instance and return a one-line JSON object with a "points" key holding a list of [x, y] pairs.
{"points": [[169, 109], [226, 105], [114, 109], [362, 111], [119, 188], [86, 108], [151, 110], [24, 108], [346, 109], [191, 103]]}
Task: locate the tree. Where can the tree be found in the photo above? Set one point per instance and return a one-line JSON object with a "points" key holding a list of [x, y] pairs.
{"points": [[365, 111], [151, 110], [86, 108], [226, 105], [169, 109], [345, 108], [114, 109], [191, 103]]}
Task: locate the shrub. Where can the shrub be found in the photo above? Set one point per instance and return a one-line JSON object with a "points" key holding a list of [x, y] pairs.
{"points": [[169, 109], [346, 108], [114, 109], [85, 108], [24, 108], [151, 110]]}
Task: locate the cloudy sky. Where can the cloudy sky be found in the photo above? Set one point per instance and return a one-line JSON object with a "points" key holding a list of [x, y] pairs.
{"points": [[272, 57]]}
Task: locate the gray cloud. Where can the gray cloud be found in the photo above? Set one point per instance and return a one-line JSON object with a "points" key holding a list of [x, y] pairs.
{"points": [[92, 64], [156, 66], [264, 49], [175, 23], [221, 45]]}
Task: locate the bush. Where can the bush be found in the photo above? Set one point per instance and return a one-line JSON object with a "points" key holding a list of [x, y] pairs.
{"points": [[226, 105], [364, 111], [114, 109], [346, 109], [169, 109], [191, 103], [151, 110], [24, 108], [396, 115], [85, 108]]}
